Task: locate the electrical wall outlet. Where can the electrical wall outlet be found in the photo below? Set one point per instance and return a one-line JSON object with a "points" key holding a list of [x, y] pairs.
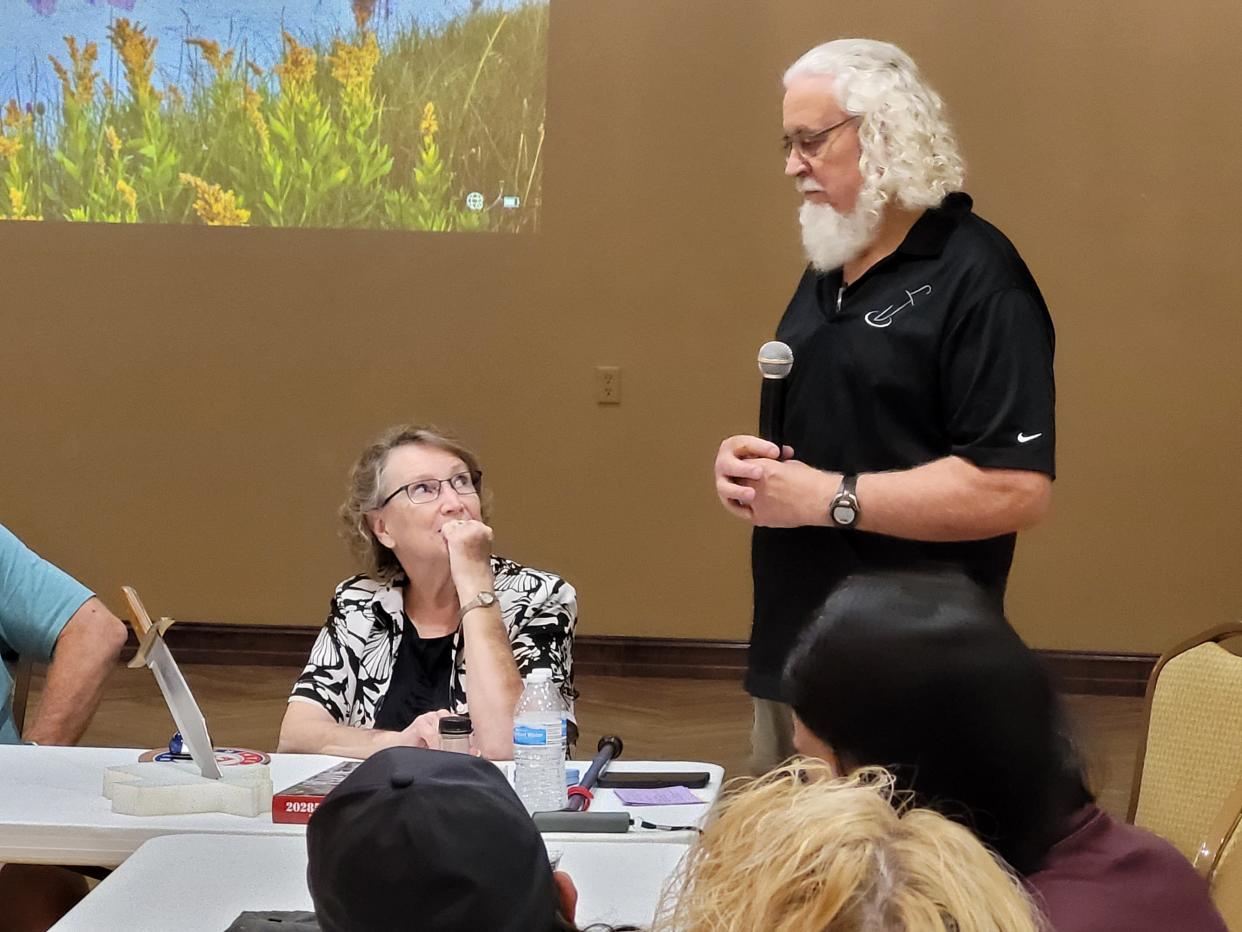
{"points": [[608, 385]]}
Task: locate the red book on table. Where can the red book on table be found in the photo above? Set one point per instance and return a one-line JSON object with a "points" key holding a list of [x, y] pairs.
{"points": [[297, 803]]}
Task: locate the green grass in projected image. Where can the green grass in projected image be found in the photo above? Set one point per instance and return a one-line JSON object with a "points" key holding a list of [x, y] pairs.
{"points": [[392, 125]]}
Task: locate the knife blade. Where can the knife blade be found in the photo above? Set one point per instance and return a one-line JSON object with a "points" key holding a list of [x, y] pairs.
{"points": [[176, 691], [184, 709]]}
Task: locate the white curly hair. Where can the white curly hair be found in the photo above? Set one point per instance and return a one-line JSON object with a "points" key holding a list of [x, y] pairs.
{"points": [[909, 150]]}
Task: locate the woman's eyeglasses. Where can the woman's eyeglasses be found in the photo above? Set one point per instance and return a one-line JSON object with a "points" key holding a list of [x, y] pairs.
{"points": [[421, 491]]}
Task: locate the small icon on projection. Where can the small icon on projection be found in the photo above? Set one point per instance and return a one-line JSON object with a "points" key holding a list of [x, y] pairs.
{"points": [[474, 200], [510, 202], [608, 385]]}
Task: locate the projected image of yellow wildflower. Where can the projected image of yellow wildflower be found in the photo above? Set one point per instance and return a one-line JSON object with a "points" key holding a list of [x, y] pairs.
{"points": [[383, 114]]}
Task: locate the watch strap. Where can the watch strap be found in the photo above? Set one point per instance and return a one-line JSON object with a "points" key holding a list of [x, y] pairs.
{"points": [[846, 499], [485, 599]]}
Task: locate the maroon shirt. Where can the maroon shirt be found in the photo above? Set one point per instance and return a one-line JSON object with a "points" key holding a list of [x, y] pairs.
{"points": [[1107, 876]]}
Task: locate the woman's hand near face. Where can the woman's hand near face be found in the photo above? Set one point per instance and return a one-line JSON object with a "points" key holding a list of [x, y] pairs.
{"points": [[494, 685], [469, 545]]}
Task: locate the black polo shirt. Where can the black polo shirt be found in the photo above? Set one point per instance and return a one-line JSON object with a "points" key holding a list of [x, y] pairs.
{"points": [[943, 348]]}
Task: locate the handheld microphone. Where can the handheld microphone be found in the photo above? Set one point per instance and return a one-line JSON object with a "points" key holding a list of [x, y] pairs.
{"points": [[609, 748], [775, 363]]}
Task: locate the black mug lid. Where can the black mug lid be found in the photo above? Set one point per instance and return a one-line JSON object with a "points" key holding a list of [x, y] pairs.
{"points": [[456, 725]]}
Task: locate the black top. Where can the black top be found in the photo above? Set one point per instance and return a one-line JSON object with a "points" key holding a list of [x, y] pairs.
{"points": [[420, 679], [943, 348]]}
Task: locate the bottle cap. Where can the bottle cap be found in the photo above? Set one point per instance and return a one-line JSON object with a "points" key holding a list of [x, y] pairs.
{"points": [[540, 675], [456, 725]]}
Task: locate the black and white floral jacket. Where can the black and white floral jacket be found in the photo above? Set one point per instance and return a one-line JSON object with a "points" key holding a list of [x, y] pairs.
{"points": [[352, 661]]}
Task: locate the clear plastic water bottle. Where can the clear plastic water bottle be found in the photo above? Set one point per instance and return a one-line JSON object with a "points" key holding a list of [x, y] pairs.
{"points": [[539, 744]]}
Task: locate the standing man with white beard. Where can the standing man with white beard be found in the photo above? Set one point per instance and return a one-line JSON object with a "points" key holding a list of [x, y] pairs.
{"points": [[919, 414]]}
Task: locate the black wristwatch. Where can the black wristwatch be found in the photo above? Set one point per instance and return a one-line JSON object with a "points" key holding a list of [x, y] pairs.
{"points": [[844, 510]]}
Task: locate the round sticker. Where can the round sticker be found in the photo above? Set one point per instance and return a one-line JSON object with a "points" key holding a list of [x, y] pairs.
{"points": [[225, 757]]}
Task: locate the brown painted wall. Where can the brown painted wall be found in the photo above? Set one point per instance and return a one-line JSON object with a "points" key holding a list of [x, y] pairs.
{"points": [[180, 405]]}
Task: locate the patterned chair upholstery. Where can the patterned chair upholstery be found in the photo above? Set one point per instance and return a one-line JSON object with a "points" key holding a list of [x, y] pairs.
{"points": [[1220, 860], [1191, 759]]}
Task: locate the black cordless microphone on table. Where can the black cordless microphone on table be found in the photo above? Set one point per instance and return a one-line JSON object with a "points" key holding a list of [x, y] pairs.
{"points": [[609, 749], [775, 363], [572, 818]]}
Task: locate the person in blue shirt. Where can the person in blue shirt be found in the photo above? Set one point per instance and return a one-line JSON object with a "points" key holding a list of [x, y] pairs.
{"points": [[47, 615], [50, 616]]}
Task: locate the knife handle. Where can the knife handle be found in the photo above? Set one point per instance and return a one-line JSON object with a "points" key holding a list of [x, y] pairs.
{"points": [[142, 621], [146, 629]]}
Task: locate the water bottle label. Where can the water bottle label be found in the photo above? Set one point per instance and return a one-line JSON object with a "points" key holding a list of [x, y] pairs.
{"points": [[538, 735]]}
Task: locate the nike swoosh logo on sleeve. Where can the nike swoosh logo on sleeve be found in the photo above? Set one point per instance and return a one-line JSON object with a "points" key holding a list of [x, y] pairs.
{"points": [[1027, 438]]}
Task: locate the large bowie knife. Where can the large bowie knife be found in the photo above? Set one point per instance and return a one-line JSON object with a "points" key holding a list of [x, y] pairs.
{"points": [[154, 653]]}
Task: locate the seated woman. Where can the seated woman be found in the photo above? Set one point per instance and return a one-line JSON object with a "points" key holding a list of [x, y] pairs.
{"points": [[436, 624], [796, 851], [920, 673]]}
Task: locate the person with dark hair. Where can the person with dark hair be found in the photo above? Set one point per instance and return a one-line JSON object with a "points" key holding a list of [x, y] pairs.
{"points": [[919, 672], [415, 839], [436, 624]]}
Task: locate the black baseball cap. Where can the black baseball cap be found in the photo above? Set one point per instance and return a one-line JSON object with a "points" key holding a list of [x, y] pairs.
{"points": [[429, 840]]}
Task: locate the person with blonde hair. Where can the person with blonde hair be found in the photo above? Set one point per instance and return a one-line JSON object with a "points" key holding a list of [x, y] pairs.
{"points": [[436, 624], [919, 414], [801, 850]]}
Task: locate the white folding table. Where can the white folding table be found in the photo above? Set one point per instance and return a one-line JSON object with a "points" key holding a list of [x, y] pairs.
{"points": [[52, 808], [53, 811], [200, 883]]}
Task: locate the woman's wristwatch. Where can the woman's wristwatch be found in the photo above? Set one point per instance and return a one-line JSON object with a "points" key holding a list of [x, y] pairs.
{"points": [[485, 599]]}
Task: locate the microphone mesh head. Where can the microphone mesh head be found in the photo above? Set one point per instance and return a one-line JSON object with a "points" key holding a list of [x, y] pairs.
{"points": [[616, 743], [775, 359]]}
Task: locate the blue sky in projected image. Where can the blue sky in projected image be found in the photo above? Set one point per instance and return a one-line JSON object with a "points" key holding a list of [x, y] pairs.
{"points": [[30, 30]]}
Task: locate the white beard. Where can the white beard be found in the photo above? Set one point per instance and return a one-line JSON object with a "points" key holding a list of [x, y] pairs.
{"points": [[831, 238]]}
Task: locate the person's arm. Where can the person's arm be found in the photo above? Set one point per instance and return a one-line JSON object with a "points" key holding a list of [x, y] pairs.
{"points": [[948, 499], [86, 652], [952, 499], [308, 728], [494, 685]]}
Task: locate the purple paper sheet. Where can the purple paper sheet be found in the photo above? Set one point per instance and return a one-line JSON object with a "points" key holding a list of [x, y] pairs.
{"points": [[665, 796]]}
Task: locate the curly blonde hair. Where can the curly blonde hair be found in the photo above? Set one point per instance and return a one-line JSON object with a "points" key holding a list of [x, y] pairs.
{"points": [[799, 850], [909, 150], [365, 492]]}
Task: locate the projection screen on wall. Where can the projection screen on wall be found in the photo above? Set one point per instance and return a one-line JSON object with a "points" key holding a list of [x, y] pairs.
{"points": [[384, 114]]}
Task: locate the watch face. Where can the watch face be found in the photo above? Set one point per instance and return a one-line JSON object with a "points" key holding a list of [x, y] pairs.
{"points": [[843, 515], [487, 598]]}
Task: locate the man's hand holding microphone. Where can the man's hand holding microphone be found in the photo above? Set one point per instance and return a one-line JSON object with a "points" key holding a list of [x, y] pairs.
{"points": [[757, 478]]}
